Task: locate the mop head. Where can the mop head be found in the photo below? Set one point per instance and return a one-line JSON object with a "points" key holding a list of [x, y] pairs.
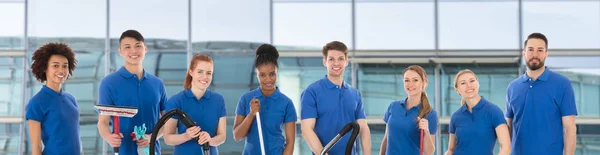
{"points": [[138, 134]]}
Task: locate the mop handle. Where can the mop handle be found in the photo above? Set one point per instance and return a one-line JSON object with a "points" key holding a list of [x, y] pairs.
{"points": [[116, 131], [260, 136], [421, 143]]}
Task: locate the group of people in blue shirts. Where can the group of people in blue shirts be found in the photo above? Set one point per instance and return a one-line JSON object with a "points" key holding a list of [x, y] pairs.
{"points": [[539, 117]]}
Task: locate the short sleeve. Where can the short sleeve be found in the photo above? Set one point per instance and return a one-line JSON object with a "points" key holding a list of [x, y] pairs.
{"points": [[308, 104], [242, 106], [388, 113], [452, 125], [290, 113], [497, 117], [567, 101], [509, 111], [163, 98], [223, 107], [433, 121], [34, 112], [105, 95], [172, 103], [360, 111]]}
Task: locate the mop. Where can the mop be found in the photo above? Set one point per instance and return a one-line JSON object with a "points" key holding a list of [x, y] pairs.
{"points": [[116, 112], [421, 142], [260, 136]]}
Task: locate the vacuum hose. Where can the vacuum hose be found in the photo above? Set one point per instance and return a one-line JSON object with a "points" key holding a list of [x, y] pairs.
{"points": [[349, 146], [184, 118]]}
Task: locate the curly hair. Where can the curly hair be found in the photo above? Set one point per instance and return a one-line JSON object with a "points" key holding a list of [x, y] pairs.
{"points": [[42, 55]]}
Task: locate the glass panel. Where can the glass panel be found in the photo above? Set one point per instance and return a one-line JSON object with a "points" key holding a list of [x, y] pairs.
{"points": [[562, 21], [12, 16], [82, 26], [11, 86], [399, 25], [164, 30], [312, 29], [382, 84], [478, 25], [9, 138], [246, 21]]}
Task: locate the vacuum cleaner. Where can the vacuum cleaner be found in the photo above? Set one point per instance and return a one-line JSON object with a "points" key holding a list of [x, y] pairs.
{"points": [[116, 112], [184, 118], [349, 146]]}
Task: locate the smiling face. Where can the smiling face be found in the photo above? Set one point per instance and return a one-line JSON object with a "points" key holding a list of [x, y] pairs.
{"points": [[267, 76], [336, 62], [413, 83], [467, 85], [58, 70], [132, 50], [201, 75]]}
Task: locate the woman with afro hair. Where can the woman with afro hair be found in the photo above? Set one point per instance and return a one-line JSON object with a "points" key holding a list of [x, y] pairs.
{"points": [[52, 114]]}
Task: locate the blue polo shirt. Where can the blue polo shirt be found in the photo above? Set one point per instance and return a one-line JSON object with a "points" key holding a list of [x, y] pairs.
{"points": [[122, 88], [536, 108], [275, 111], [476, 132], [403, 131], [333, 107], [206, 112], [58, 114]]}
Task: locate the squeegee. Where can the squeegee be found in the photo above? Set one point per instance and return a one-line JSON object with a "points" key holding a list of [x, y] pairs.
{"points": [[116, 112]]}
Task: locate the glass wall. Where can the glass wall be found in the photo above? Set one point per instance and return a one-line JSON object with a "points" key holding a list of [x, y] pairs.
{"points": [[384, 37]]}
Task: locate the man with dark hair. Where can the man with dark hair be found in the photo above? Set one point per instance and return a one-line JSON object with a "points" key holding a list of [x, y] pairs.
{"points": [[330, 103], [132, 86], [540, 106]]}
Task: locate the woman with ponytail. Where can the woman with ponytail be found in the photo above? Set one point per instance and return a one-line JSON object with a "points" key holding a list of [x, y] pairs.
{"points": [[476, 124], [276, 110], [405, 118], [205, 107]]}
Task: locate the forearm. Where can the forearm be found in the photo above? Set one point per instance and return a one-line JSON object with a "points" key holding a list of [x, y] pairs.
{"points": [[176, 139], [383, 147], [289, 147], [217, 140], [570, 139], [104, 130], [313, 141], [36, 148], [428, 143], [365, 139], [241, 131]]}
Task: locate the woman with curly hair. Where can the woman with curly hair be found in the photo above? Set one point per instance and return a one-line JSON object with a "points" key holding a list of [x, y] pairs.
{"points": [[52, 114]]}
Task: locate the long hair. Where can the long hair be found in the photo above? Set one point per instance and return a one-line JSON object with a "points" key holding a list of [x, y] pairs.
{"points": [[461, 72], [425, 105], [187, 84]]}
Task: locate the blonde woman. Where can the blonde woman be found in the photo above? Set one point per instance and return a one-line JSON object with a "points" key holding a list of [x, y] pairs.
{"points": [[475, 126]]}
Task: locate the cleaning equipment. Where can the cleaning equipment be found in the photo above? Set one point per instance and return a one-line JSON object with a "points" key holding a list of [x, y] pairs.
{"points": [[349, 146], [184, 118], [260, 136], [139, 133], [116, 112], [421, 142]]}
